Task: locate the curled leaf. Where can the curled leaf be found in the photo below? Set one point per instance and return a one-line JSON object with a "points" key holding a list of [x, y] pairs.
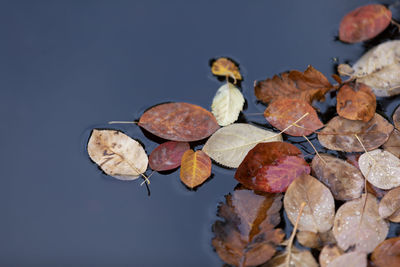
{"points": [[354, 259], [195, 168], [227, 104], [168, 155], [328, 254], [387, 254], [225, 67], [389, 207]]}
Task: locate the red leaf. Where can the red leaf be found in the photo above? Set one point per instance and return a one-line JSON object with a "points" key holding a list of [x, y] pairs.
{"points": [[168, 155]]}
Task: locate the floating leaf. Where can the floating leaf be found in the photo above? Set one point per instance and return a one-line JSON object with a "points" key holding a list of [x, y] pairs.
{"points": [[396, 118], [319, 211], [117, 154], [339, 134], [225, 67], [380, 168], [356, 102], [364, 23], [271, 167], [179, 122], [168, 155], [343, 179], [328, 254], [283, 112], [389, 207], [246, 235], [227, 104], [392, 145], [195, 168], [354, 259], [306, 86], [298, 258], [387, 254], [358, 224], [229, 145]]}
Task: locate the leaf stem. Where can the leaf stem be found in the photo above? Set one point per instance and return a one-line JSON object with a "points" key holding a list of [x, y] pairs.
{"points": [[308, 140], [289, 246]]}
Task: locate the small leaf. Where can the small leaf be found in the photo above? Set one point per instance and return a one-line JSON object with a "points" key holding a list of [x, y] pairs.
{"points": [[315, 240], [389, 207], [283, 112], [227, 104], [328, 254], [392, 145], [271, 167], [354, 259], [195, 168], [117, 154], [179, 122], [225, 67], [229, 145], [168, 155], [387, 254], [299, 258]]}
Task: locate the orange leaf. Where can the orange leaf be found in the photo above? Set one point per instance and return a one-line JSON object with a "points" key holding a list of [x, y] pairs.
{"points": [[195, 168], [225, 67], [387, 254]]}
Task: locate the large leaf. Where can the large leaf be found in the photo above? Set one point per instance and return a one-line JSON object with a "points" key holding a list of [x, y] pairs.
{"points": [[229, 145], [358, 224], [319, 212], [306, 86], [353, 259], [227, 104], [271, 167], [117, 154], [246, 235], [339, 134], [389, 207], [225, 67], [298, 258], [168, 155], [387, 254], [179, 122], [195, 168]]}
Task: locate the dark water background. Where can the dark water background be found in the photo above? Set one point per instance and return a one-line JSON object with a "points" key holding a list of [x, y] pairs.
{"points": [[67, 67]]}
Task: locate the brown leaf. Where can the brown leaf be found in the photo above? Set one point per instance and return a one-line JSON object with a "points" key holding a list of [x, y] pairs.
{"points": [[377, 192], [225, 67], [315, 240], [343, 179], [339, 134], [299, 258], [306, 86], [179, 122], [389, 207], [284, 111], [396, 118], [328, 254], [364, 23], [356, 102], [387, 254], [168, 155], [353, 259], [393, 143], [195, 168], [246, 235]]}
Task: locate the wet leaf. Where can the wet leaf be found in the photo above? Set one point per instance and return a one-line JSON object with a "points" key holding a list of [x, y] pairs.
{"points": [[339, 134], [315, 240], [389, 207], [396, 118], [227, 104], [271, 167], [195, 168], [380, 168], [387, 254], [283, 112], [225, 67], [358, 224], [364, 23], [319, 211], [299, 258], [117, 154], [306, 86], [392, 145], [179, 122], [229, 145], [246, 234], [353, 259], [168, 155], [343, 179], [356, 102], [328, 254]]}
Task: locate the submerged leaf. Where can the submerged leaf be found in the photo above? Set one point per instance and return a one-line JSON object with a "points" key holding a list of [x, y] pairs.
{"points": [[387, 254], [389, 207], [227, 104], [168, 155], [225, 67], [298, 258], [229, 145], [117, 154], [328, 254], [195, 168], [353, 259]]}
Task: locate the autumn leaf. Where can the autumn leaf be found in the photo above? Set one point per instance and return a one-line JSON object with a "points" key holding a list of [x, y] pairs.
{"points": [[328, 254], [315, 240], [364, 23], [246, 234], [179, 122], [389, 207], [230, 144], [387, 254], [195, 168], [299, 258], [225, 67], [117, 154], [392, 145], [356, 102], [271, 167], [354, 259], [227, 104], [306, 86], [168, 155], [396, 118], [282, 112]]}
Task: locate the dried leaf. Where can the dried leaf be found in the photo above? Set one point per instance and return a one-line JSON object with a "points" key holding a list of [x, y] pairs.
{"points": [[179, 122], [358, 224], [117, 154], [343, 179], [225, 67], [353, 259], [246, 235], [283, 112], [319, 211], [339, 134], [387, 254], [380, 168], [306, 86], [396, 118], [168, 155], [364, 23], [389, 207], [377, 192], [227, 104], [195, 168], [315, 240], [328, 254], [393, 143], [298, 258], [271, 167], [229, 145], [356, 102]]}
